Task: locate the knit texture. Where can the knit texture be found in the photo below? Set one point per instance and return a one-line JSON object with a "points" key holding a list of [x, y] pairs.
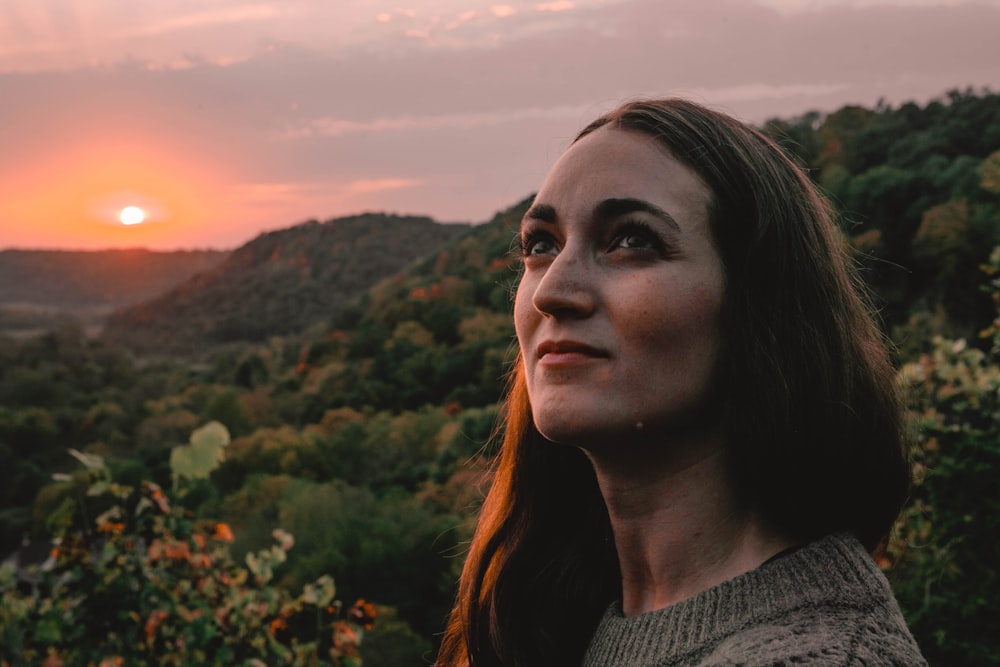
{"points": [[824, 604]]}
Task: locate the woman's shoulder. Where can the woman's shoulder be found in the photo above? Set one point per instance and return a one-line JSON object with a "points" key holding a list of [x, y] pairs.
{"points": [[833, 607], [826, 603], [820, 636]]}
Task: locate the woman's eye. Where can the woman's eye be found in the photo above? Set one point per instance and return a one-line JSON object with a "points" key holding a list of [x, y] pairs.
{"points": [[633, 240], [637, 237], [533, 244]]}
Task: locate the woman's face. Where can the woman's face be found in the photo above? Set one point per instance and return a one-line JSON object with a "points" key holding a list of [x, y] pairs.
{"points": [[618, 311]]}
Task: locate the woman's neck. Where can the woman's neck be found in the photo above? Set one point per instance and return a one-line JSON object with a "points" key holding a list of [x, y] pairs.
{"points": [[679, 528]]}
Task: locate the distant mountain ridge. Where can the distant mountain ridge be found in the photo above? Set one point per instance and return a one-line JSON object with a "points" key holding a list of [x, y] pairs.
{"points": [[280, 283], [74, 279]]}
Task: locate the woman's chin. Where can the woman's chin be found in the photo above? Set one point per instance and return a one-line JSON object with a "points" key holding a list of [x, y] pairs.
{"points": [[588, 434]]}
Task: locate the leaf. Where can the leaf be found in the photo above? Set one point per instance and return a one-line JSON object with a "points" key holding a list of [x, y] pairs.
{"points": [[213, 436], [114, 513], [284, 538], [99, 488], [143, 505], [90, 461], [259, 567], [320, 592], [198, 459]]}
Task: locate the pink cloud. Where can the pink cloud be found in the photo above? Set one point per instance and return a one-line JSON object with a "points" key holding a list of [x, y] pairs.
{"points": [[557, 6]]}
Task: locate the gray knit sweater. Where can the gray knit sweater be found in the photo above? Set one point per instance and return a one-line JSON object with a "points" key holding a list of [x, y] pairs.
{"points": [[824, 604]]}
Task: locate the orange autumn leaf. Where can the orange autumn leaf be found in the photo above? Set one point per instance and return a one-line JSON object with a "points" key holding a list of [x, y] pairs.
{"points": [[277, 625], [223, 532], [153, 623], [177, 551], [155, 550], [156, 493], [363, 613], [200, 560], [344, 640]]}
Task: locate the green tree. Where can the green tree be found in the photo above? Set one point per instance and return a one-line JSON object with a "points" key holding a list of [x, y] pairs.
{"points": [[945, 558]]}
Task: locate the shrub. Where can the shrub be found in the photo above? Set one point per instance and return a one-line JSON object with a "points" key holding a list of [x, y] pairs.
{"points": [[145, 583], [944, 556]]}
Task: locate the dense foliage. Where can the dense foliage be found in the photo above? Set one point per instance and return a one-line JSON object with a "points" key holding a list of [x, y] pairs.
{"points": [[144, 583], [367, 436], [945, 561]]}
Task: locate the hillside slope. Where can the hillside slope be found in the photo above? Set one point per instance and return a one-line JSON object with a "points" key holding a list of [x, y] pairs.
{"points": [[279, 283]]}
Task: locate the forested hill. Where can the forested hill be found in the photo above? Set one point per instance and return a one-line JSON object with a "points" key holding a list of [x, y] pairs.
{"points": [[60, 278], [916, 189], [279, 283]]}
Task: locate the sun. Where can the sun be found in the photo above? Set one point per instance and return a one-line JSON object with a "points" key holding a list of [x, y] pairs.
{"points": [[132, 215]]}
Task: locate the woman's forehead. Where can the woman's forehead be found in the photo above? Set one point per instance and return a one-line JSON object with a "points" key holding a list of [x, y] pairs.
{"points": [[612, 163]]}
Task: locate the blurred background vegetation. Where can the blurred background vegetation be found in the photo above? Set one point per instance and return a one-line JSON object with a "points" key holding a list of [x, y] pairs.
{"points": [[356, 365]]}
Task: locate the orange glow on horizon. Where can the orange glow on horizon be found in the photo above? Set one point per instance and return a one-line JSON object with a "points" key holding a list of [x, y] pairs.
{"points": [[76, 197]]}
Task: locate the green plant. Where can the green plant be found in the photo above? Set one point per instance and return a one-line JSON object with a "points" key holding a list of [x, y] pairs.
{"points": [[944, 557], [145, 583]]}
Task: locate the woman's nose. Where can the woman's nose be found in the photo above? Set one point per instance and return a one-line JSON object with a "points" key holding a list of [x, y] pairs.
{"points": [[567, 287]]}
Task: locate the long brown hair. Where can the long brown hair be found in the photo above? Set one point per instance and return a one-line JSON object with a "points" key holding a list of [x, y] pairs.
{"points": [[815, 433]]}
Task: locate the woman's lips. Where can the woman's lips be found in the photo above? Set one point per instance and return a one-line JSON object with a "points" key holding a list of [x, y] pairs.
{"points": [[563, 352]]}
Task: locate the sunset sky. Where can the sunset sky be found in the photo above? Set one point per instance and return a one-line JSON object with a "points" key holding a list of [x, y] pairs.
{"points": [[222, 119]]}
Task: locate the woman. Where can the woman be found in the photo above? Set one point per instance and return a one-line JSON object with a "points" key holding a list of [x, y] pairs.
{"points": [[703, 441]]}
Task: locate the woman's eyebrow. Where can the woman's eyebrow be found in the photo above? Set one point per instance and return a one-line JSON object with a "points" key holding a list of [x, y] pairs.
{"points": [[542, 213], [607, 209], [618, 206]]}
